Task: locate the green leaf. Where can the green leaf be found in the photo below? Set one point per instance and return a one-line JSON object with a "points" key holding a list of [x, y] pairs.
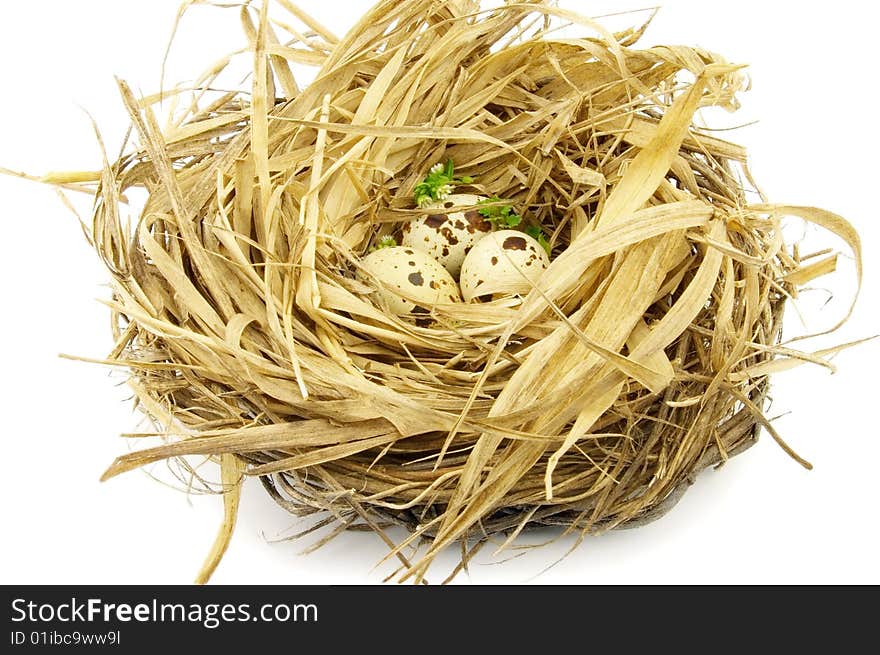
{"points": [[387, 241], [438, 183], [500, 215], [538, 235]]}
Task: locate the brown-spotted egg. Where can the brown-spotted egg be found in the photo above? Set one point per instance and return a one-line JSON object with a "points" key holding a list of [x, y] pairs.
{"points": [[506, 262], [409, 281], [445, 234]]}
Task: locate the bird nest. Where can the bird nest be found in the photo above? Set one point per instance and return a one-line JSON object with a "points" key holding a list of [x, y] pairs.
{"points": [[590, 400]]}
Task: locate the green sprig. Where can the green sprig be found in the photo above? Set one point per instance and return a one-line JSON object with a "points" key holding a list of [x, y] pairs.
{"points": [[387, 241], [438, 184], [500, 215], [538, 235]]}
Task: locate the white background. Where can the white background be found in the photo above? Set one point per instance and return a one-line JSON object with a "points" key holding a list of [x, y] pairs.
{"points": [[761, 519]]}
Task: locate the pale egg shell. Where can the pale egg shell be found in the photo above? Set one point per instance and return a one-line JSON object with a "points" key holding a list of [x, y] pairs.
{"points": [[409, 281], [447, 235], [504, 263]]}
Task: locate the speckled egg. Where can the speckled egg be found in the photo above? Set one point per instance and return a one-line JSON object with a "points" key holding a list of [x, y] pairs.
{"points": [[410, 281], [506, 262], [445, 234]]}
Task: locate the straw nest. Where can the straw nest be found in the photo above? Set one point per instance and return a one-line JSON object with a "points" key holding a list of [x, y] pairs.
{"points": [[639, 358]]}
